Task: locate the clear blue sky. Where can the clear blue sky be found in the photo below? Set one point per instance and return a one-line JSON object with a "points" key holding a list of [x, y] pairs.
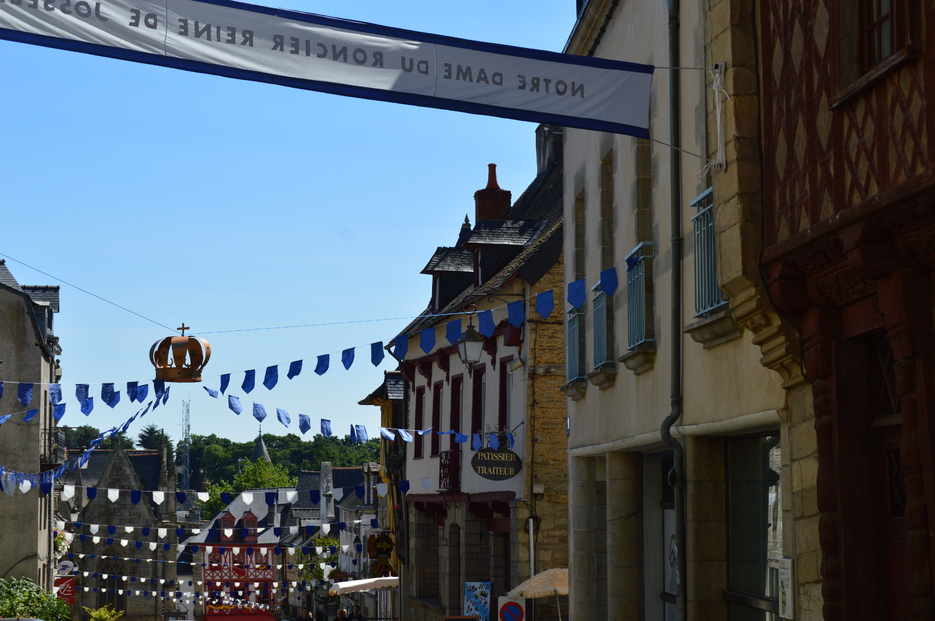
{"points": [[233, 205]]}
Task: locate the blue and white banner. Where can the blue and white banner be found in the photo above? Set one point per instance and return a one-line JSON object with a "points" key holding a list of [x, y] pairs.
{"points": [[356, 59]]}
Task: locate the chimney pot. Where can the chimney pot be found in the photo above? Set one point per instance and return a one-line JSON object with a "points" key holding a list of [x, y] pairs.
{"points": [[492, 202]]}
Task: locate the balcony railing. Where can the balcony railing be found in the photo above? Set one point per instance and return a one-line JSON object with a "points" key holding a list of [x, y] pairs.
{"points": [[603, 328], [639, 296], [449, 470], [707, 294], [574, 330]]}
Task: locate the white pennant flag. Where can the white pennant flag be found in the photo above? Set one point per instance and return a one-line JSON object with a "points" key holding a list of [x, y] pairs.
{"points": [[113, 495], [203, 496], [93, 528], [382, 488], [128, 529], [326, 528], [152, 546], [136, 592], [124, 578], [237, 584], [337, 493], [104, 576], [291, 497], [293, 530], [345, 548], [291, 590], [228, 532], [247, 497], [278, 567], [124, 542], [301, 566], [86, 589], [8, 486], [318, 549], [426, 483], [86, 574], [161, 533], [158, 497], [119, 591], [196, 531], [96, 539], [67, 492], [236, 551], [276, 584], [290, 551]]}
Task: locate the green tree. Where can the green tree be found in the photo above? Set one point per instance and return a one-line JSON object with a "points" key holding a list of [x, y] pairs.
{"points": [[117, 440], [154, 438], [21, 597], [254, 475], [80, 437]]}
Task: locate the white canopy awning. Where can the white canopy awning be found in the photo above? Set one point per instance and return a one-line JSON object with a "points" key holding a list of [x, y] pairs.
{"points": [[369, 584]]}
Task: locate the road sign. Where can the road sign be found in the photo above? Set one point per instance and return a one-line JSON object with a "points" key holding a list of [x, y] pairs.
{"points": [[512, 609]]}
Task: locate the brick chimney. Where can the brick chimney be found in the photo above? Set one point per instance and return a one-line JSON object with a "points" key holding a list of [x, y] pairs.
{"points": [[491, 203]]}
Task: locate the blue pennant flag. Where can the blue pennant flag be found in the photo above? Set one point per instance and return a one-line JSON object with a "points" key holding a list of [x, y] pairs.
{"points": [[387, 434], [115, 399], [400, 346], [55, 393], [609, 281], [31, 414], [249, 381], [165, 396], [486, 324], [405, 435], [283, 417], [25, 394], [259, 412], [58, 411], [294, 369], [225, 382], [159, 388], [460, 438], [476, 443], [347, 358], [361, 433], [427, 339], [211, 392], [226, 498], [511, 439], [90, 492], [107, 393], [376, 353], [353, 435], [1, 390], [359, 491], [494, 441], [314, 495], [4, 419], [142, 391], [234, 404], [576, 293], [131, 391], [305, 423], [516, 313], [404, 486], [87, 406], [323, 361], [272, 377], [135, 497], [270, 498], [81, 392], [453, 331], [326, 427]]}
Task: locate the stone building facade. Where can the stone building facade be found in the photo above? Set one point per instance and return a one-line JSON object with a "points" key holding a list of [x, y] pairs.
{"points": [[692, 451], [468, 521], [28, 350]]}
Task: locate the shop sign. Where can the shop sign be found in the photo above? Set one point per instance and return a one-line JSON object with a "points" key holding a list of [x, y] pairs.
{"points": [[496, 465]]}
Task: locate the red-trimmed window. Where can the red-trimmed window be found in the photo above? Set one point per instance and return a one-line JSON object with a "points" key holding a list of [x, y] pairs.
{"points": [[457, 388], [249, 525], [478, 397], [418, 449], [227, 527], [436, 418]]}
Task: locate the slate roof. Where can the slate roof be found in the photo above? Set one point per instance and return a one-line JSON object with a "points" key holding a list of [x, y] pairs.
{"points": [[540, 208], [448, 259], [147, 464], [392, 388], [257, 505], [504, 232], [6, 277], [44, 293], [259, 450]]}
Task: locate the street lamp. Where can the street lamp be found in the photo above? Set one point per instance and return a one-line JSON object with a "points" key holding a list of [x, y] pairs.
{"points": [[470, 346]]}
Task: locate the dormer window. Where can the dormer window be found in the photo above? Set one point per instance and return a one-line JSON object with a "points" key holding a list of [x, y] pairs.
{"points": [[226, 522], [249, 527]]}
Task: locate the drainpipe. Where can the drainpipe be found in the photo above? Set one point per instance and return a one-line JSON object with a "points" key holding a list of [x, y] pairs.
{"points": [[677, 475]]}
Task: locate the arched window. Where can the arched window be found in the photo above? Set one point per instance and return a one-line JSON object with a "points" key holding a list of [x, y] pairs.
{"points": [[111, 589]]}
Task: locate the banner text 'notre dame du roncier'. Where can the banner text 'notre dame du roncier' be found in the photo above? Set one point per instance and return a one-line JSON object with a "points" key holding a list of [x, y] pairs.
{"points": [[344, 57]]}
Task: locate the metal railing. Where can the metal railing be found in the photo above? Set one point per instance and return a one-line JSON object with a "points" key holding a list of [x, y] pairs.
{"points": [[603, 327], [574, 332], [707, 294], [449, 470], [639, 307]]}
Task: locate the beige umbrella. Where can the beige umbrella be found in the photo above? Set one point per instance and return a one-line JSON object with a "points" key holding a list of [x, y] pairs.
{"points": [[545, 584]]}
